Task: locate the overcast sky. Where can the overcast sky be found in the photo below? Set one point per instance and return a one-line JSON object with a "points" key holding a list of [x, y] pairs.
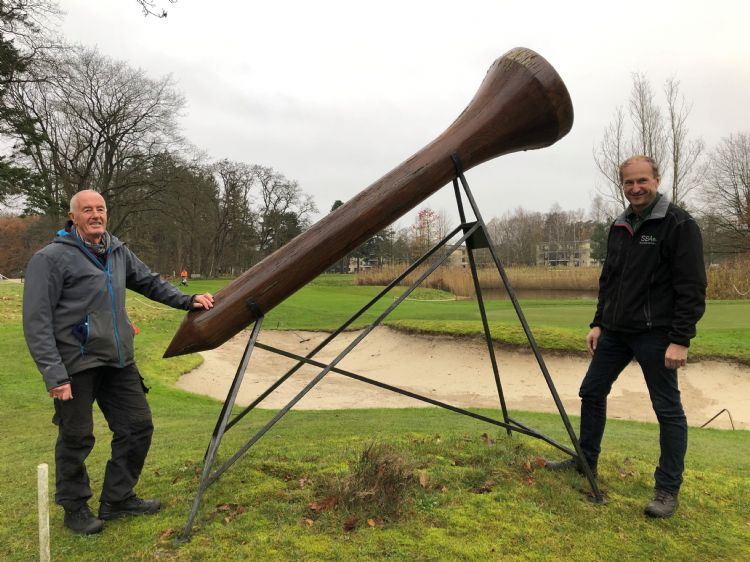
{"points": [[334, 94]]}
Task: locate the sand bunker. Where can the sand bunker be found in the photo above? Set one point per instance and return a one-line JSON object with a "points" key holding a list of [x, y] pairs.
{"points": [[456, 371]]}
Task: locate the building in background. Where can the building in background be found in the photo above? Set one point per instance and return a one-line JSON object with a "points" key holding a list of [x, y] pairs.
{"points": [[565, 254]]}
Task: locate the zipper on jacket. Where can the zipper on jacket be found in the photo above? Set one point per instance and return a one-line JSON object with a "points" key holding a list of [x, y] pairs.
{"points": [[111, 291], [647, 306], [622, 275], [86, 329]]}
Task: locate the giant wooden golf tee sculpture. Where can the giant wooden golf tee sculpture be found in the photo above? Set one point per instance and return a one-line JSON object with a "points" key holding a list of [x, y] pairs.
{"points": [[521, 104]]}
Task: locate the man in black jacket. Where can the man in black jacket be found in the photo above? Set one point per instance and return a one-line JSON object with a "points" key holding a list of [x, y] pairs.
{"points": [[78, 332], [651, 295]]}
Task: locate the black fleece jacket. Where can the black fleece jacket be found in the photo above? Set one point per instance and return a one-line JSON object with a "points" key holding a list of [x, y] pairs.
{"points": [[654, 277]]}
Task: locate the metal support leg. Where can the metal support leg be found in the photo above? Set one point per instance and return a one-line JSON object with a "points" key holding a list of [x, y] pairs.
{"points": [[213, 447], [482, 311], [530, 337]]}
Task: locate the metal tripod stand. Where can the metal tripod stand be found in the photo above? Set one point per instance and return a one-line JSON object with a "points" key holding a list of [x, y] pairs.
{"points": [[475, 236]]}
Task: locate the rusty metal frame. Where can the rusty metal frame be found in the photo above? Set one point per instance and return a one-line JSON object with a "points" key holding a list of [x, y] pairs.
{"points": [[475, 236]]}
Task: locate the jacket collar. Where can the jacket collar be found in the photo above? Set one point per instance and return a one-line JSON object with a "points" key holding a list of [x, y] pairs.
{"points": [[65, 236], [658, 212]]}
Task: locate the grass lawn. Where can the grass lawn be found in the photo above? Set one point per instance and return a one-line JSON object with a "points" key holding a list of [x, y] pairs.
{"points": [[474, 494]]}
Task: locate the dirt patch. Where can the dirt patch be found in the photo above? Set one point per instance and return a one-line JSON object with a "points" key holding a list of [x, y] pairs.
{"points": [[457, 371]]}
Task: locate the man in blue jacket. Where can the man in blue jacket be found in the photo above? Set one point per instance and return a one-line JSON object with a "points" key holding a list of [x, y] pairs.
{"points": [[652, 293], [79, 334]]}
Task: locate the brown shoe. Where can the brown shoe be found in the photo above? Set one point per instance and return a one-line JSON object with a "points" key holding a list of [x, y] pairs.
{"points": [[664, 504]]}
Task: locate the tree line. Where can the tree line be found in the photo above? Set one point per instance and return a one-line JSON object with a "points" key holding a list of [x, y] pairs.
{"points": [[72, 118]]}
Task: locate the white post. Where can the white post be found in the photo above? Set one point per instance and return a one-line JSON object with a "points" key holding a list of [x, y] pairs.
{"points": [[43, 507]]}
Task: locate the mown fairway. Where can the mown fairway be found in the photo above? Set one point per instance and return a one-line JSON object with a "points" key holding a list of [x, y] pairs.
{"points": [[476, 495]]}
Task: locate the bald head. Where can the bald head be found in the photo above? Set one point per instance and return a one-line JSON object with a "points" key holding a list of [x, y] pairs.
{"points": [[84, 194], [88, 211]]}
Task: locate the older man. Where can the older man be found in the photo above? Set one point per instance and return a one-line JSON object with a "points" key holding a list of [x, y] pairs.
{"points": [[651, 295], [79, 334]]}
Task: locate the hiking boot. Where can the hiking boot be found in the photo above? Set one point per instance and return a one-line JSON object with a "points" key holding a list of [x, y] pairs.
{"points": [[567, 464], [664, 504], [131, 506], [81, 521]]}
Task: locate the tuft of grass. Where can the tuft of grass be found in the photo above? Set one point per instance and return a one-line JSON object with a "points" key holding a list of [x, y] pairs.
{"points": [[376, 485]]}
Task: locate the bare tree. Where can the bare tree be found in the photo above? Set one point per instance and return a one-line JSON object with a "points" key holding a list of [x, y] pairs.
{"points": [[684, 153], [727, 190], [425, 230], [150, 8], [648, 126], [178, 231], [662, 136], [98, 124], [284, 209], [612, 150], [516, 236], [233, 218], [600, 211]]}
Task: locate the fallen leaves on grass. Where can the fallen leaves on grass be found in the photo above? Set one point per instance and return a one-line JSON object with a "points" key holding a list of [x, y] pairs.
{"points": [[423, 478], [230, 511], [485, 488], [166, 534], [530, 464], [350, 524], [327, 503], [626, 470]]}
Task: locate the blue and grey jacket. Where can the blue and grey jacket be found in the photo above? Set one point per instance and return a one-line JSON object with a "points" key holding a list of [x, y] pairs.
{"points": [[74, 314]]}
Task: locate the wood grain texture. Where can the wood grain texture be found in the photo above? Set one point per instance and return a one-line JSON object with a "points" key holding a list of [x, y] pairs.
{"points": [[522, 104]]}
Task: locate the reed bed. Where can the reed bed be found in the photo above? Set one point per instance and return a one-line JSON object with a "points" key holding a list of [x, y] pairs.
{"points": [[457, 280], [728, 281]]}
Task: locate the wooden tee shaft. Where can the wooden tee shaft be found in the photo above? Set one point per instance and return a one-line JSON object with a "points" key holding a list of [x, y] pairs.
{"points": [[521, 104]]}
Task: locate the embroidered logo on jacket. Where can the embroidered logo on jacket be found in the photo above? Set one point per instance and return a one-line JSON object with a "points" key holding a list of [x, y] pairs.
{"points": [[648, 239]]}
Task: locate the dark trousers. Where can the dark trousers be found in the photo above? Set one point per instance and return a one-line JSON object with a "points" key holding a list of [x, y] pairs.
{"points": [[121, 396], [613, 353]]}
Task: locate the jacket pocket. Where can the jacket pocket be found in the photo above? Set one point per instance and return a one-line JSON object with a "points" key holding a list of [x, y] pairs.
{"points": [[81, 333], [127, 333], [101, 341]]}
